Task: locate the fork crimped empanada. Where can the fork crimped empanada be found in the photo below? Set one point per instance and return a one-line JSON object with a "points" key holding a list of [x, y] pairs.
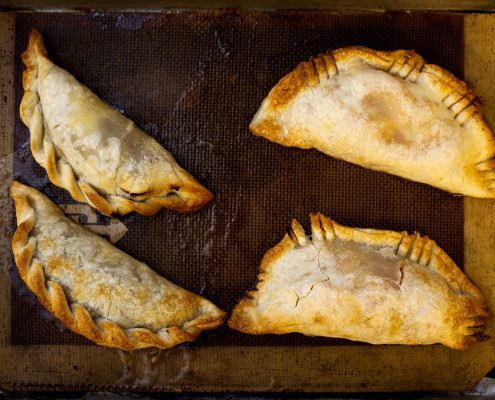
{"points": [[93, 151], [97, 290], [387, 111], [374, 286]]}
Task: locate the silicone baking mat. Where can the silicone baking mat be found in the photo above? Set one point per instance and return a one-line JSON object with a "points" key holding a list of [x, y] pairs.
{"points": [[193, 80]]}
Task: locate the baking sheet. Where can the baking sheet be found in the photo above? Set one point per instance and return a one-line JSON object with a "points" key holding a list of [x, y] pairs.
{"points": [[217, 362]]}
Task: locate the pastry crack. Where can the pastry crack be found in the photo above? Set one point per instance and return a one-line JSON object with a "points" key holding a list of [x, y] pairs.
{"points": [[401, 279], [313, 285]]}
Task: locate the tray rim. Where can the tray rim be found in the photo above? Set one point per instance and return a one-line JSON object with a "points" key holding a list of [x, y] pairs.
{"points": [[158, 5]]}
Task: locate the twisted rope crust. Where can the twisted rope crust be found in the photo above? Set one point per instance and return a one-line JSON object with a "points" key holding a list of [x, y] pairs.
{"points": [[192, 197], [419, 249], [74, 315], [408, 65]]}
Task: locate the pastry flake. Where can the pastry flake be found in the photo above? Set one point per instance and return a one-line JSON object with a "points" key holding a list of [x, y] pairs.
{"points": [[387, 111], [97, 290], [93, 151], [374, 286]]}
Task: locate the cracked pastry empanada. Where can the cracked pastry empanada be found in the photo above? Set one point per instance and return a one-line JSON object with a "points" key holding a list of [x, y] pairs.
{"points": [[93, 151], [387, 111], [374, 286], [97, 290]]}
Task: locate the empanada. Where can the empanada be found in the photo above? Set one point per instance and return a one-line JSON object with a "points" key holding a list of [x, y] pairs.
{"points": [[374, 286], [388, 111], [97, 290], [98, 155]]}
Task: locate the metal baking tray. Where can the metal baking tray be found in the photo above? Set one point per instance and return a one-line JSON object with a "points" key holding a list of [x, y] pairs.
{"points": [[193, 79]]}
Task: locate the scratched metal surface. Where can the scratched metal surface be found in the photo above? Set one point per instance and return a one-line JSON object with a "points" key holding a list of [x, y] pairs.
{"points": [[193, 80]]}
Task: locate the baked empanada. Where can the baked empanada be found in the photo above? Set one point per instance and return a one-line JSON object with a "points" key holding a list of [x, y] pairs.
{"points": [[387, 111], [374, 286], [98, 155], [97, 290]]}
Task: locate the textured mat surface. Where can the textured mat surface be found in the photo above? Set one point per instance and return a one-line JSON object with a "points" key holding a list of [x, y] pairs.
{"points": [[193, 80]]}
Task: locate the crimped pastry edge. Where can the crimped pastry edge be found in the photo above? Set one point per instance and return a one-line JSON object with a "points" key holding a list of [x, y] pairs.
{"points": [[74, 315], [415, 247], [193, 196]]}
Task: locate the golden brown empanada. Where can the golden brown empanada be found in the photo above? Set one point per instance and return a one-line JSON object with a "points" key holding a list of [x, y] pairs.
{"points": [[97, 290], [98, 155], [374, 286], [388, 111]]}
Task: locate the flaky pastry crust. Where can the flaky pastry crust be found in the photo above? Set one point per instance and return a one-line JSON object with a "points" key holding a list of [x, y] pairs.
{"points": [[387, 111], [97, 290], [93, 151], [406, 291]]}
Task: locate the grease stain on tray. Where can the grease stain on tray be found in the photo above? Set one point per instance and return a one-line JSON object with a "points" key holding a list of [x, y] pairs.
{"points": [[131, 22], [141, 368]]}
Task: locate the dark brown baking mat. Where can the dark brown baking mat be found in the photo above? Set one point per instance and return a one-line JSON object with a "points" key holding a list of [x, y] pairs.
{"points": [[193, 80]]}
